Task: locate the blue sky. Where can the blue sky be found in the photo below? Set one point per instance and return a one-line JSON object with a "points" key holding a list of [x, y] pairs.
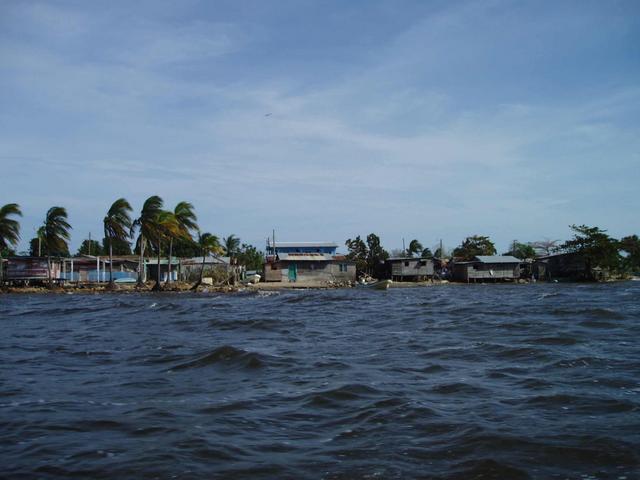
{"points": [[326, 119]]}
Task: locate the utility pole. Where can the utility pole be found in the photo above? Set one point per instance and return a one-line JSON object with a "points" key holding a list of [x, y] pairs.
{"points": [[89, 243], [404, 250]]}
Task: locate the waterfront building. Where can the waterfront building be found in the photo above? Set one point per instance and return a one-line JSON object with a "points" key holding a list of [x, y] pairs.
{"points": [[31, 270], [307, 262], [487, 268], [409, 269]]}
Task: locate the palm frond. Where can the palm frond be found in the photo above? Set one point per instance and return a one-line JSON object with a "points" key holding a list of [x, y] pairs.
{"points": [[9, 228]]}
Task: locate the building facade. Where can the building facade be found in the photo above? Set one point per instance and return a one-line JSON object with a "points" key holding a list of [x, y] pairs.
{"points": [[484, 268], [409, 269], [307, 262]]}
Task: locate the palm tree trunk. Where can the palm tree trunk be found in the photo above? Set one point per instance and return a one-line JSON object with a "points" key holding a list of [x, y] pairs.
{"points": [[170, 254], [141, 263], [157, 286]]}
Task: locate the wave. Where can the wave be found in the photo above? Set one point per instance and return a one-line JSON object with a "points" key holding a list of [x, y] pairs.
{"points": [[458, 388], [487, 469], [228, 356], [335, 396], [560, 340], [603, 313], [583, 404]]}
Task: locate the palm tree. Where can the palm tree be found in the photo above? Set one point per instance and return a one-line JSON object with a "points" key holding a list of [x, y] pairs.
{"points": [[146, 225], [208, 244], [414, 247], [231, 245], [166, 227], [117, 226], [56, 234], [186, 221], [9, 229]]}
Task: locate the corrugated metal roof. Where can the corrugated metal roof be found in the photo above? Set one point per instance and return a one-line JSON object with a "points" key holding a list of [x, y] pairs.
{"points": [[497, 259], [392, 259], [306, 257], [208, 260], [305, 244]]}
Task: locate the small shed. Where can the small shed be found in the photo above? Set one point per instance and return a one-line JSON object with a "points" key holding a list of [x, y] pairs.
{"points": [[491, 268], [409, 269]]}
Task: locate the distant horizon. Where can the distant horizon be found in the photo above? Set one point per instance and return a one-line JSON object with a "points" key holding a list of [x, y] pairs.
{"points": [[324, 121]]}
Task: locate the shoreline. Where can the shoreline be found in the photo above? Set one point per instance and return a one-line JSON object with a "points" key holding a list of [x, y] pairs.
{"points": [[181, 287]]}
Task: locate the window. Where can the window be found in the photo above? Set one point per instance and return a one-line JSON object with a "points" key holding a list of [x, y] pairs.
{"points": [[406, 264], [343, 267]]}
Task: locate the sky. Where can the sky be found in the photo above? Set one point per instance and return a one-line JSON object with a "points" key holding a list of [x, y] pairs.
{"points": [[326, 119]]}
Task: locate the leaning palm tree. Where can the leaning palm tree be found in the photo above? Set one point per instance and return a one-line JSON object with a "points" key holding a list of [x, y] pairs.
{"points": [[208, 244], [186, 220], [146, 225], [56, 234], [414, 247], [231, 245], [9, 229], [166, 227], [117, 226]]}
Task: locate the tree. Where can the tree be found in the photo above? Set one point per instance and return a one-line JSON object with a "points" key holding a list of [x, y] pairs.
{"points": [[521, 250], [473, 246], [597, 249], [376, 255], [185, 248], [90, 247], [166, 227], [55, 234], [185, 219], [250, 257], [231, 244], [440, 252], [414, 247], [545, 247], [146, 224], [119, 247], [117, 227], [9, 230], [358, 253], [208, 244], [426, 253], [631, 246]]}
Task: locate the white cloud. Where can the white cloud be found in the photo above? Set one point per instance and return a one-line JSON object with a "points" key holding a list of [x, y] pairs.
{"points": [[378, 148]]}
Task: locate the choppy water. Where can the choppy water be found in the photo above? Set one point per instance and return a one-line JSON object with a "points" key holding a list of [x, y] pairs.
{"points": [[491, 382]]}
